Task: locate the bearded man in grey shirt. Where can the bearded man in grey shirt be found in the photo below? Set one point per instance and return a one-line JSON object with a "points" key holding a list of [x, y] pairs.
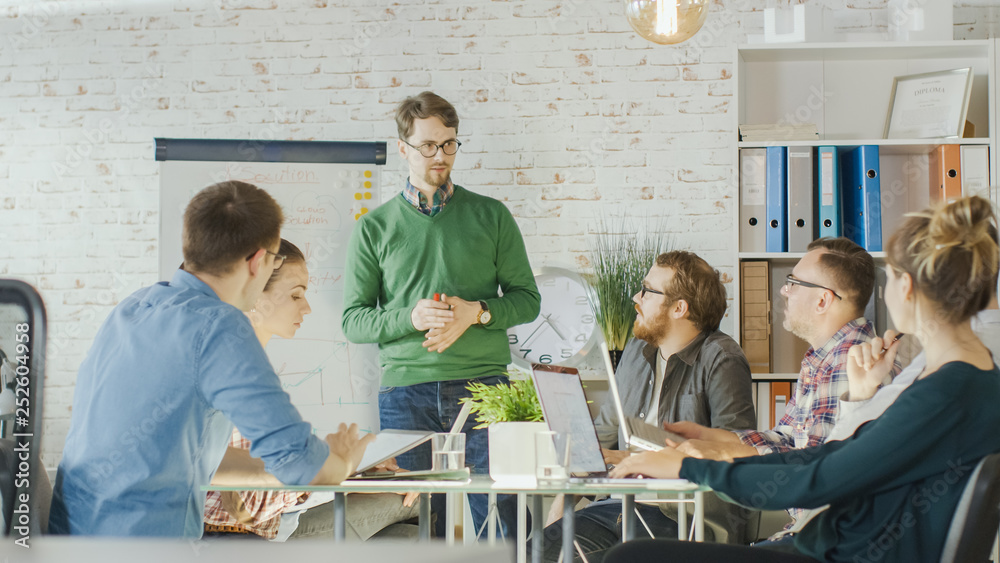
{"points": [[678, 367]]}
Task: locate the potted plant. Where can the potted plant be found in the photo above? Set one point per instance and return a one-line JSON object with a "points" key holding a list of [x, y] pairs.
{"points": [[621, 257], [513, 414]]}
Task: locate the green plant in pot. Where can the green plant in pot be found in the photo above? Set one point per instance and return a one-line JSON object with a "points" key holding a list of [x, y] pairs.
{"points": [[621, 256], [513, 414]]}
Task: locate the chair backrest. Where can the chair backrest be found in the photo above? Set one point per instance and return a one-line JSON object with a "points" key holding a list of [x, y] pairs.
{"points": [[23, 333], [974, 526]]}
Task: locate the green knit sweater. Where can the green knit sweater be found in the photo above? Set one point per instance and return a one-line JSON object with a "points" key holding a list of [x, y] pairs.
{"points": [[398, 256]]}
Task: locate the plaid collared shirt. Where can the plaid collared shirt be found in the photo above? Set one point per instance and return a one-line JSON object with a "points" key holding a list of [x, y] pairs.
{"points": [[264, 506], [811, 413], [419, 200]]}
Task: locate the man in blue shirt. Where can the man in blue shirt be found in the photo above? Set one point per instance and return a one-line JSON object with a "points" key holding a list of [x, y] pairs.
{"points": [[172, 369]]}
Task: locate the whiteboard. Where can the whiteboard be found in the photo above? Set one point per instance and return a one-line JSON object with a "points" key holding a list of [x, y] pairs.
{"points": [[329, 379]]}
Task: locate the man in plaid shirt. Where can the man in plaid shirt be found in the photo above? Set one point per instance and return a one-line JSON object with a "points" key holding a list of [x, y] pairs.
{"points": [[825, 298]]}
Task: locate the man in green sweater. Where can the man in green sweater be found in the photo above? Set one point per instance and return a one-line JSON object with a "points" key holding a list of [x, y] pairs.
{"points": [[422, 278]]}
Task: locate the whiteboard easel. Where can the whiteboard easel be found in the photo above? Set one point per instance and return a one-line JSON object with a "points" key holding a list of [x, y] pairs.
{"points": [[323, 187]]}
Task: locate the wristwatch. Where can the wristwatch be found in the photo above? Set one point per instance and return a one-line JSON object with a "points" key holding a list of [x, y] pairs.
{"points": [[484, 317]]}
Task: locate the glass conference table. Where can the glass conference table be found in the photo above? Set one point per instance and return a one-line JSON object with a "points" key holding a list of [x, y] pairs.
{"points": [[678, 490]]}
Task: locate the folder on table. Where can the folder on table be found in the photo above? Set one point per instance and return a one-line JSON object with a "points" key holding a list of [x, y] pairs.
{"points": [[753, 199], [828, 183], [975, 164], [776, 239], [945, 173], [781, 393], [801, 228], [755, 325], [862, 197]]}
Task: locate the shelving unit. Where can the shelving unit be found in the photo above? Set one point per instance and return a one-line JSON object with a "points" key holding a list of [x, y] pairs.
{"points": [[844, 88]]}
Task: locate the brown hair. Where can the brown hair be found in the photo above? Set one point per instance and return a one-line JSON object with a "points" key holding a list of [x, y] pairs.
{"points": [[698, 284], [951, 254], [225, 222], [850, 267], [423, 105], [292, 256]]}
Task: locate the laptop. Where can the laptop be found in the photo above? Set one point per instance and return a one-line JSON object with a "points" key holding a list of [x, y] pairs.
{"points": [[565, 408], [637, 432]]}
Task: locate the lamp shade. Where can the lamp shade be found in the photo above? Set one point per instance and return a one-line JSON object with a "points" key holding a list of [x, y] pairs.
{"points": [[666, 22]]}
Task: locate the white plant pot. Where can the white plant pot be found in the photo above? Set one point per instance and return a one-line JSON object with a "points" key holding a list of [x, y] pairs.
{"points": [[512, 452]]}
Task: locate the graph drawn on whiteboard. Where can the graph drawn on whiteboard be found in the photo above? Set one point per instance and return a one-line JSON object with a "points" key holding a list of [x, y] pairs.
{"points": [[329, 379]]}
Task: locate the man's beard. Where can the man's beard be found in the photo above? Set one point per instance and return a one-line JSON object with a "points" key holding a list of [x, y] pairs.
{"points": [[654, 331], [801, 330], [431, 178]]}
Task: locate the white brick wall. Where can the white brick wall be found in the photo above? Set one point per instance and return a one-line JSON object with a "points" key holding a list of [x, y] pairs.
{"points": [[566, 114]]}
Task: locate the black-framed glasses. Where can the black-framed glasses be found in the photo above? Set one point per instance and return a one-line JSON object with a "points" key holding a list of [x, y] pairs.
{"points": [[279, 259], [428, 150], [644, 290], [789, 280]]}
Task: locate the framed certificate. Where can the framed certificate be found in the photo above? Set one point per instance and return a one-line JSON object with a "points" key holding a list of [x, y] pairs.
{"points": [[929, 105]]}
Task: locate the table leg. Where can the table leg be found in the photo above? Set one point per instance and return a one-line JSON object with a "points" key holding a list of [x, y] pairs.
{"points": [[522, 532], [628, 518], [492, 515], [339, 516], [699, 516], [449, 519], [682, 518], [569, 533], [424, 529], [537, 528]]}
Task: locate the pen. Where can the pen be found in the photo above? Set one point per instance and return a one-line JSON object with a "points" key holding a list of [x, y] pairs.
{"points": [[437, 297], [894, 340]]}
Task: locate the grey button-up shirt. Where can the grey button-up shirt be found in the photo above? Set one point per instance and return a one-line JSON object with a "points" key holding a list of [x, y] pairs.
{"points": [[708, 382]]}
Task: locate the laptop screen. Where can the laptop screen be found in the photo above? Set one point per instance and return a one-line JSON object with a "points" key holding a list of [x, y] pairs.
{"points": [[565, 407]]}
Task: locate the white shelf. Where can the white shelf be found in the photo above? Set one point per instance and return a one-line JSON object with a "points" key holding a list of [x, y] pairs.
{"points": [[844, 89], [788, 255], [886, 146], [868, 51], [774, 376]]}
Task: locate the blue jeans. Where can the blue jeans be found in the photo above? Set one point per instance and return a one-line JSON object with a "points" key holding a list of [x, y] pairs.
{"points": [[598, 528], [434, 406]]}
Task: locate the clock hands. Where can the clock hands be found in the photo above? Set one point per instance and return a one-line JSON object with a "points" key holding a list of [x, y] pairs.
{"points": [[553, 325], [528, 339]]}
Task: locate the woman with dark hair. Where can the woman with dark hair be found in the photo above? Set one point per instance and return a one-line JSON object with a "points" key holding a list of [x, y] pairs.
{"points": [[893, 486]]}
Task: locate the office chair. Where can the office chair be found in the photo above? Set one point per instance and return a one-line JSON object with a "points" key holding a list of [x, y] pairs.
{"points": [[974, 526], [22, 326]]}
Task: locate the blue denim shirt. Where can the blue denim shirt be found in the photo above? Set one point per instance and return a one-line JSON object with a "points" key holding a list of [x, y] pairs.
{"points": [[169, 369]]}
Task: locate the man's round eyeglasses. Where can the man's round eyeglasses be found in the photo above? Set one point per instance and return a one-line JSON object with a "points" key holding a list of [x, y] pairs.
{"points": [[279, 259], [644, 290], [428, 150], [790, 281]]}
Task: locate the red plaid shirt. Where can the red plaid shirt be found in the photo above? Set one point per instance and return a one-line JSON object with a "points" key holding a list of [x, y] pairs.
{"points": [[266, 507], [812, 411]]}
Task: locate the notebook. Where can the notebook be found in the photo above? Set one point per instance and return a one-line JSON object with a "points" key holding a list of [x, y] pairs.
{"points": [[391, 443], [637, 432]]}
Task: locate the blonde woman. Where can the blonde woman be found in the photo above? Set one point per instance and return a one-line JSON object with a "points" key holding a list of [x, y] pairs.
{"points": [[280, 515], [893, 486]]}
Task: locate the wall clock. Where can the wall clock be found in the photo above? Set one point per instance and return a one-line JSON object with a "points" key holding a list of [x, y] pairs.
{"points": [[565, 330]]}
